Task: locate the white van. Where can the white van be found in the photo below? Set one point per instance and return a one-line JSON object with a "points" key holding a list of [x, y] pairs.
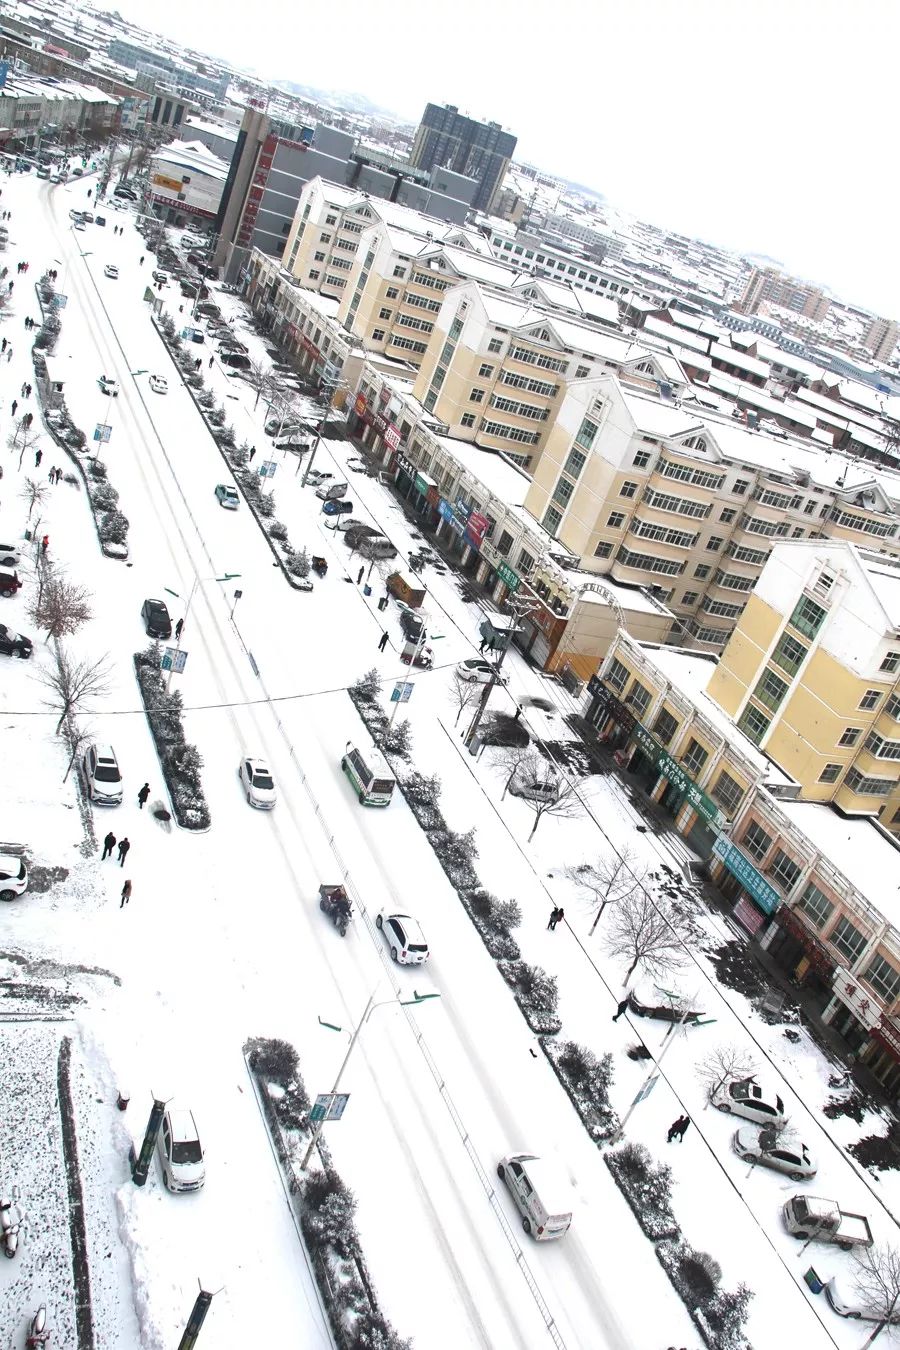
{"points": [[370, 774], [538, 1192]]}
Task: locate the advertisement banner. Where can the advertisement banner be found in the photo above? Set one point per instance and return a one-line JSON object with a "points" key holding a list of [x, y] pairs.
{"points": [[509, 578], [392, 437], [359, 407], [671, 769], [739, 865]]}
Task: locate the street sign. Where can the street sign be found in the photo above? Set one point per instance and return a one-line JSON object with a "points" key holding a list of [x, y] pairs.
{"points": [[329, 1106], [102, 432], [267, 469], [646, 1089], [402, 691], [60, 301], [173, 658]]}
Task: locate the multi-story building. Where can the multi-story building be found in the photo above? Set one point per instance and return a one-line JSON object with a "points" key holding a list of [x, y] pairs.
{"points": [[811, 673], [186, 183], [768, 286], [880, 338], [446, 138]]}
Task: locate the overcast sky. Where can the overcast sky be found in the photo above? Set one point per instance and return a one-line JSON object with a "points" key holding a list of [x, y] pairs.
{"points": [[764, 126]]}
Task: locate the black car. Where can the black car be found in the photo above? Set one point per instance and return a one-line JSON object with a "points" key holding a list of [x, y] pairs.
{"points": [[411, 624], [156, 619], [125, 192], [14, 644]]}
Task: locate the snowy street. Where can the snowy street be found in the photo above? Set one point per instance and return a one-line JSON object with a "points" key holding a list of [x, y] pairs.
{"points": [[223, 939]]}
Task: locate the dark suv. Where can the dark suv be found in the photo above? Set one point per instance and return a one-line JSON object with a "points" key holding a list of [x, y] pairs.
{"points": [[411, 624], [156, 619], [14, 644]]}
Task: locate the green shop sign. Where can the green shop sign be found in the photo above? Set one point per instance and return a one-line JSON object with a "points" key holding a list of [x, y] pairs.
{"points": [[508, 576], [671, 769]]}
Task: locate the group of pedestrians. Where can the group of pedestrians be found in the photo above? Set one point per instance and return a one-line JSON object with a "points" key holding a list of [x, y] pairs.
{"points": [[557, 914], [55, 475], [22, 267], [26, 388], [30, 323], [109, 843]]}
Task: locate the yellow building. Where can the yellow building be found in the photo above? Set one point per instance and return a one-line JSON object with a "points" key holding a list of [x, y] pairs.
{"points": [[812, 673]]}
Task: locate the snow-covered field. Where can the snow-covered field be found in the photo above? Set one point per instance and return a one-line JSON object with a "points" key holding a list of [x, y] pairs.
{"points": [[223, 938]]}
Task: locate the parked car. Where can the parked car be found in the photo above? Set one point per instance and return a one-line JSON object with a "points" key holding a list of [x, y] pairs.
{"points": [[160, 277], [478, 671], [43, 172], [258, 783], [337, 507], [412, 624], [341, 523], [111, 271], [764, 1148], [811, 1218], [9, 556], [847, 1303], [745, 1098], [119, 191], [326, 491], [376, 546], [74, 214], [13, 876], [79, 225], [159, 384], [405, 939], [101, 775], [14, 644], [109, 386], [227, 496], [87, 217], [536, 781], [156, 619], [10, 582], [99, 220], [277, 426], [180, 1151], [315, 477], [538, 1192]]}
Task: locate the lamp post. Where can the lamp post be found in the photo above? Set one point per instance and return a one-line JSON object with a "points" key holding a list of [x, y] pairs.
{"points": [[226, 576], [367, 1013]]}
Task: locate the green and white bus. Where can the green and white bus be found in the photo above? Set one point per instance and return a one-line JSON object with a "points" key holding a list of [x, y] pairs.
{"points": [[370, 774]]}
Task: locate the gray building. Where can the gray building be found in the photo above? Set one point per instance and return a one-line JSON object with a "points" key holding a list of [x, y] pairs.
{"points": [[447, 139]]}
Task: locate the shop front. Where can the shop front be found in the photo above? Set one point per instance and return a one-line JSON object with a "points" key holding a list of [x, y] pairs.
{"points": [[614, 722], [374, 430], [678, 791], [800, 953], [857, 1012], [755, 899]]}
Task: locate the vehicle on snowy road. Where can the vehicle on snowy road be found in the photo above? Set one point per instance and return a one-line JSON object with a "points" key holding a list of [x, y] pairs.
{"points": [[258, 784], [764, 1148], [745, 1098], [159, 384], [111, 271], [14, 644], [370, 774], [157, 623], [102, 776], [180, 1152], [405, 939], [335, 507], [227, 496], [109, 386], [13, 876], [478, 671], [809, 1217], [537, 1190]]}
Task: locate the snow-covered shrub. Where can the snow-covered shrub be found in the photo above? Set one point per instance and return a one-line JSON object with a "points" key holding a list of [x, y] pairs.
{"points": [[718, 1314], [194, 379], [76, 438], [226, 437], [422, 793], [104, 495], [494, 918], [278, 530], [647, 1186], [398, 740], [265, 504], [536, 993], [113, 528], [181, 763], [167, 326], [273, 1059], [587, 1080], [97, 469], [206, 399], [298, 563], [329, 1207], [456, 853], [367, 687], [216, 416]]}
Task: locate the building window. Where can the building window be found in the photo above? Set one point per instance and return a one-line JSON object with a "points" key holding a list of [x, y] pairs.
{"points": [[639, 698], [641, 459], [870, 699], [869, 787], [847, 940], [890, 663], [816, 906], [713, 543], [331, 220], [504, 543], [467, 420], [783, 870], [476, 396], [831, 773], [325, 238], [575, 462], [628, 489], [728, 793], [892, 707], [740, 487], [582, 372], [789, 654], [495, 345], [883, 978], [770, 690], [552, 520], [701, 572], [727, 516], [756, 842], [603, 550], [399, 271], [384, 313], [314, 276], [378, 335], [485, 371], [807, 617], [319, 257], [850, 736], [690, 597], [664, 727], [616, 520], [754, 723], [695, 757], [617, 676]]}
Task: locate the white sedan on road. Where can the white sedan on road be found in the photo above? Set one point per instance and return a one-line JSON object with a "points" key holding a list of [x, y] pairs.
{"points": [[110, 270], [477, 671], [159, 384], [258, 783]]}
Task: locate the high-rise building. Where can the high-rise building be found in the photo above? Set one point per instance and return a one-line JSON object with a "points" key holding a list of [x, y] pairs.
{"points": [[881, 338], [766, 285], [446, 138]]}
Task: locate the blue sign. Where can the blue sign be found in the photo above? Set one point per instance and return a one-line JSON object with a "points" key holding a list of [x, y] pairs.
{"points": [[463, 508], [445, 510], [102, 432], [740, 866], [402, 691]]}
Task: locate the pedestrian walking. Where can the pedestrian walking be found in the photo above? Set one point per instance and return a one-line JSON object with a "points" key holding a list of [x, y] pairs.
{"points": [[29, 418], [554, 919], [143, 795], [10, 286], [382, 641], [360, 574], [197, 364], [3, 345], [126, 894], [252, 453], [124, 846], [24, 387], [26, 267], [673, 1130], [59, 474], [210, 359], [560, 915], [38, 456], [620, 1009], [109, 844], [682, 1129], [15, 404], [178, 628], [45, 543], [28, 390], [141, 263]]}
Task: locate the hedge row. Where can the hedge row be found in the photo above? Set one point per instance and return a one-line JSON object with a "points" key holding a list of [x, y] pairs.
{"points": [[180, 762]]}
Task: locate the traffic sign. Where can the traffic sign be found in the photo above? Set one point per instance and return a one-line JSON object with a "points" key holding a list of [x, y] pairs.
{"points": [[329, 1106], [402, 691], [174, 658], [102, 432]]}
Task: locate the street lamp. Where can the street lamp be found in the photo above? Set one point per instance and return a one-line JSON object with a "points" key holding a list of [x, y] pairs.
{"points": [[369, 1009], [227, 576]]}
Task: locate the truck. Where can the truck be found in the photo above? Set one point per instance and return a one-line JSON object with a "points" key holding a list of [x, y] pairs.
{"points": [[809, 1216]]}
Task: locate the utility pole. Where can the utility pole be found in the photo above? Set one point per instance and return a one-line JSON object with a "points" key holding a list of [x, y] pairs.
{"points": [[520, 606]]}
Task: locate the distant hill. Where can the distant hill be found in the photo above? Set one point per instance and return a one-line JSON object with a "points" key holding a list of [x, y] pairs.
{"points": [[345, 99]]}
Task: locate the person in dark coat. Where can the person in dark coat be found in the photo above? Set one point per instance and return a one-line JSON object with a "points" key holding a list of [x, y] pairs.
{"points": [[124, 846], [554, 918], [178, 629], [683, 1126], [622, 1007], [143, 795], [109, 844], [673, 1130], [383, 640], [126, 894]]}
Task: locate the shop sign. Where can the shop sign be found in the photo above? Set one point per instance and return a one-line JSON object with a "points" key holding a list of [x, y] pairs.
{"points": [[739, 865], [489, 553], [392, 436], [886, 1032], [462, 508], [310, 347], [477, 528], [861, 1003], [457, 525], [432, 496], [406, 465], [671, 769], [445, 510], [381, 423], [361, 406], [611, 705], [421, 484], [509, 578]]}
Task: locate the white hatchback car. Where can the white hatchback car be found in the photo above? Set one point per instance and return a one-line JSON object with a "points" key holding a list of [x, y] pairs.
{"points": [[159, 384], [180, 1152], [744, 1098], [404, 937], [102, 775], [13, 876], [782, 1156], [258, 783], [110, 270]]}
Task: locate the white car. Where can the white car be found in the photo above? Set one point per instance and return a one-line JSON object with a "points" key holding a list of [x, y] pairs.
{"points": [[847, 1303], [13, 876], [744, 1098], [782, 1156], [79, 225], [9, 556], [227, 496], [180, 1152], [258, 783], [109, 386], [340, 523], [102, 775], [405, 939], [110, 270], [159, 384], [478, 671]]}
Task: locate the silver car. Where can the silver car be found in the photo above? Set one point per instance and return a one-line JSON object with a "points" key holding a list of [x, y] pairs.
{"points": [[765, 1148], [745, 1098]]}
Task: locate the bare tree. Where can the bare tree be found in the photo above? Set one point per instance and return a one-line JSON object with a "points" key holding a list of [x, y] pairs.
{"points": [[877, 1284], [33, 493], [509, 759], [78, 739], [60, 607], [73, 683], [464, 694], [260, 380], [546, 793], [641, 932], [725, 1064], [26, 439], [608, 879]]}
